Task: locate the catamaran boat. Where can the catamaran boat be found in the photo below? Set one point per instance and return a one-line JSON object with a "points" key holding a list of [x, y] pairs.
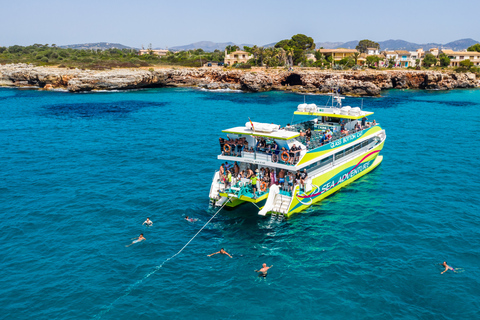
{"points": [[335, 146]]}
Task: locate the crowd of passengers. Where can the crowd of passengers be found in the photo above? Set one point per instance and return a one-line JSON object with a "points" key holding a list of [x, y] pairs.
{"points": [[234, 147], [261, 179]]}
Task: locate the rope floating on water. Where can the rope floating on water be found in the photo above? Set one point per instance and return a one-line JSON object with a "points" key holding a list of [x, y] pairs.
{"points": [[131, 287]]}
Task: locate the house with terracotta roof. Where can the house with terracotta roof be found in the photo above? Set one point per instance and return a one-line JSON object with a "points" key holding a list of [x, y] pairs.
{"points": [[237, 57], [458, 56], [338, 54]]}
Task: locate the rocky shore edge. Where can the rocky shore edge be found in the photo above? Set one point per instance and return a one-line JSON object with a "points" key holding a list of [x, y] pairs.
{"points": [[354, 83]]}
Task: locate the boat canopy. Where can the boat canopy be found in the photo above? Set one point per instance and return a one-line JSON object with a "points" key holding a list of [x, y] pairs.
{"points": [[333, 112], [274, 134]]}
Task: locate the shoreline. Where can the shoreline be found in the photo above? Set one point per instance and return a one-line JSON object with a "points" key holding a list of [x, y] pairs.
{"points": [[351, 83]]}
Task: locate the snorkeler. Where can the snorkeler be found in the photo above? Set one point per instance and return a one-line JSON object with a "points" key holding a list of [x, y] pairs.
{"points": [[140, 238], [190, 219], [447, 267], [148, 222], [263, 271], [221, 252]]}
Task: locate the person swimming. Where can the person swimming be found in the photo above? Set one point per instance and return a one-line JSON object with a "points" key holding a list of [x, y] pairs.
{"points": [[140, 238], [221, 252], [148, 222], [263, 271], [447, 267], [190, 219]]}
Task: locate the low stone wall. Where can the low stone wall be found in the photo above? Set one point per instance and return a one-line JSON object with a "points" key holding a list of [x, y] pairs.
{"points": [[356, 83]]}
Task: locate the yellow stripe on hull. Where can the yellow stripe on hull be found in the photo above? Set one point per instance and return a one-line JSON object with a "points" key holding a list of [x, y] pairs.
{"points": [[296, 205]]}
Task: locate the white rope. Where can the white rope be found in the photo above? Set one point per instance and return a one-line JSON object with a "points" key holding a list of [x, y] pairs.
{"points": [[131, 287]]}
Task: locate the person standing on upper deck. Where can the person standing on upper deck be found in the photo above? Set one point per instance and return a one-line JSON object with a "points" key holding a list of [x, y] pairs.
{"points": [[364, 119]]}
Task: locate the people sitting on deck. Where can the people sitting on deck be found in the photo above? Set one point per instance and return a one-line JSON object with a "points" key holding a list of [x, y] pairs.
{"points": [[367, 125], [261, 145], [302, 134], [358, 127], [374, 123]]}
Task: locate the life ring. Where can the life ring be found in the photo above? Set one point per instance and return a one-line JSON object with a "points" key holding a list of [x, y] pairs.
{"points": [[227, 148], [285, 156], [263, 186]]}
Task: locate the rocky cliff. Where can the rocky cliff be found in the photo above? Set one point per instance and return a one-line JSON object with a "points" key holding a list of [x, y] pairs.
{"points": [[358, 83]]}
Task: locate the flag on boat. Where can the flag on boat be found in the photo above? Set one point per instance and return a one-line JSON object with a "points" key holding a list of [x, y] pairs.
{"points": [[253, 129]]}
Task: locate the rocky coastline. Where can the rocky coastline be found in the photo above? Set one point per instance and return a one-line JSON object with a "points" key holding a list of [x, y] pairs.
{"points": [[354, 83]]}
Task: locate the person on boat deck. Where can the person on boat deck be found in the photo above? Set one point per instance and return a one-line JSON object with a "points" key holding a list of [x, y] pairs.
{"points": [[263, 271], [253, 180], [325, 137], [222, 251], [239, 147], [266, 177], [272, 177], [358, 127], [374, 123], [227, 166], [236, 168], [291, 180], [148, 222], [281, 178], [229, 179], [303, 178], [447, 267], [222, 143], [298, 176], [302, 134], [249, 173], [222, 172], [364, 119], [291, 153], [245, 144], [275, 152], [308, 134]]}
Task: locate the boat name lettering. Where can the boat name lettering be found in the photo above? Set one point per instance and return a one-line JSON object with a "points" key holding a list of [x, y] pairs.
{"points": [[346, 139], [327, 186]]}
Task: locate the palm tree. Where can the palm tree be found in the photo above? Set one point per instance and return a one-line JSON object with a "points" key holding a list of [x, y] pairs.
{"points": [[355, 56], [255, 53], [261, 52], [289, 51]]}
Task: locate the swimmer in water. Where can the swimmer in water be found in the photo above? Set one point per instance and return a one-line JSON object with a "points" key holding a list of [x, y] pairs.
{"points": [[221, 252], [190, 219], [140, 238], [447, 267], [263, 271], [148, 222]]}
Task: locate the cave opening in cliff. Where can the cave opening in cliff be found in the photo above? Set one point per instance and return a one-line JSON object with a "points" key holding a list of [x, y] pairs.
{"points": [[292, 80]]}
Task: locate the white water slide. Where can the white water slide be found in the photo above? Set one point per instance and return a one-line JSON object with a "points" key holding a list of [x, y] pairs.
{"points": [[274, 190]]}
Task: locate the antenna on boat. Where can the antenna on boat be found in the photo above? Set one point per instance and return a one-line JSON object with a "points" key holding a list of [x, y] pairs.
{"points": [[361, 107]]}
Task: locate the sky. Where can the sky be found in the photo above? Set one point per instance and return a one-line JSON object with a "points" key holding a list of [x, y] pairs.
{"points": [[172, 23]]}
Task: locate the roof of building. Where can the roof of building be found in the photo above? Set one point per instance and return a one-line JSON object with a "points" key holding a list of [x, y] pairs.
{"points": [[402, 51], [372, 49], [338, 50], [389, 52], [239, 52], [461, 53]]}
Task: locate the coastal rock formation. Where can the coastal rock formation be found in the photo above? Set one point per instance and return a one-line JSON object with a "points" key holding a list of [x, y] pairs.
{"points": [[356, 83]]}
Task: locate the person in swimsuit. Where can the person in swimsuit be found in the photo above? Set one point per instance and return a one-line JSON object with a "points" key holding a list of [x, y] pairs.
{"points": [[221, 252], [140, 238], [190, 219], [447, 267], [148, 222], [263, 271]]}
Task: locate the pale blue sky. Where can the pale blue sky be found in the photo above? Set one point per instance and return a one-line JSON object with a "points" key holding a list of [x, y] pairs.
{"points": [[172, 23]]}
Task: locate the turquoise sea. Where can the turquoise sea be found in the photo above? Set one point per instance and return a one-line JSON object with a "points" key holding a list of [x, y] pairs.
{"points": [[79, 173]]}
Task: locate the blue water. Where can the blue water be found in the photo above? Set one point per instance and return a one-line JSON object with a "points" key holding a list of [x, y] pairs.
{"points": [[81, 172]]}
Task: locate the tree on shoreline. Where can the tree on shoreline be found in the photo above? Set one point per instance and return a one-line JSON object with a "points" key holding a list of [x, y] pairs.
{"points": [[364, 44], [475, 47]]}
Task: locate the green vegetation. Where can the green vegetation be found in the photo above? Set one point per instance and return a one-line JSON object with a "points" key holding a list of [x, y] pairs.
{"points": [[475, 47], [364, 44], [429, 60], [373, 61], [444, 60], [45, 55], [296, 48]]}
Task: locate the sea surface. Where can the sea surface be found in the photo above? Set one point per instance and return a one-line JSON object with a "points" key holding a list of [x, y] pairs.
{"points": [[80, 172]]}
